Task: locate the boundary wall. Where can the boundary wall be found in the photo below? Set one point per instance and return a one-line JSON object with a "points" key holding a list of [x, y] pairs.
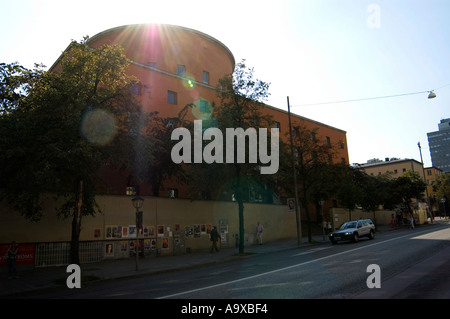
{"points": [[171, 226]]}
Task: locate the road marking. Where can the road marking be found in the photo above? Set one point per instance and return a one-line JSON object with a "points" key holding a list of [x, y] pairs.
{"points": [[312, 251], [287, 268]]}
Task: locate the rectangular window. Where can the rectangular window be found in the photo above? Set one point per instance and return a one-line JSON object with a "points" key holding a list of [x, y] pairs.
{"points": [[204, 106], [171, 97], [205, 77], [328, 141], [181, 70]]}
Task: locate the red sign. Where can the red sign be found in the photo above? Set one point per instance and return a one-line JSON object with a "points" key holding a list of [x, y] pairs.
{"points": [[24, 257]]}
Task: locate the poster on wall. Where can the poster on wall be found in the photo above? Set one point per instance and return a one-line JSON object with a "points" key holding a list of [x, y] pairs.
{"points": [[196, 230], [123, 245], [108, 232], [151, 231], [160, 230], [109, 249], [112, 231], [188, 231], [165, 243], [124, 232], [25, 256], [132, 231]]}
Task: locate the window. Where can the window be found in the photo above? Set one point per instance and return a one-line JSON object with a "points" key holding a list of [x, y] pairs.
{"points": [[313, 136], [296, 131], [171, 97], [327, 140], [277, 125], [181, 70], [204, 106], [205, 77], [136, 88]]}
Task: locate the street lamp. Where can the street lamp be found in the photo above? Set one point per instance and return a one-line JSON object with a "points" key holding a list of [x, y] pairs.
{"points": [[322, 202], [294, 172], [137, 201], [429, 210]]}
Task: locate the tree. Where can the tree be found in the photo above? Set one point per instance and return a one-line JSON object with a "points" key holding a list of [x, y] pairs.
{"points": [[240, 99], [441, 186], [16, 82], [408, 186], [73, 121], [351, 192], [314, 169], [154, 164]]}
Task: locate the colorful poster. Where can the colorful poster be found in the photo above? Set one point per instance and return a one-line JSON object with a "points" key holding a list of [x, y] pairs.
{"points": [[25, 256]]}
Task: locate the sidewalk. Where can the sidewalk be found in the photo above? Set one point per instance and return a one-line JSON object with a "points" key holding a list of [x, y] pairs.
{"points": [[52, 277]]}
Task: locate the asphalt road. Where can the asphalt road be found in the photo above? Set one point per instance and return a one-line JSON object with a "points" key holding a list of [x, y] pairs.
{"points": [[412, 264]]}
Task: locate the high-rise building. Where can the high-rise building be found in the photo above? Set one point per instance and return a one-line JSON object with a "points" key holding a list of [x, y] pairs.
{"points": [[439, 143]]}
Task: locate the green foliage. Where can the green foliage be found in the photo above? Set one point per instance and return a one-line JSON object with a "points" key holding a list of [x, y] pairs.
{"points": [[441, 186], [68, 123]]}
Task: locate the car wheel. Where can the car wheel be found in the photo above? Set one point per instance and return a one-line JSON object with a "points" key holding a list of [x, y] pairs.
{"points": [[355, 237], [372, 234]]}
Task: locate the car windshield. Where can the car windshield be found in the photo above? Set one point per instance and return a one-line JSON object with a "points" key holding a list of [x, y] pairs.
{"points": [[349, 225]]}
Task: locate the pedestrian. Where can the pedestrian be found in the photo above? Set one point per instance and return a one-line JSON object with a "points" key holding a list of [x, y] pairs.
{"points": [[411, 221], [214, 236], [325, 227], [11, 260], [259, 232], [330, 228]]}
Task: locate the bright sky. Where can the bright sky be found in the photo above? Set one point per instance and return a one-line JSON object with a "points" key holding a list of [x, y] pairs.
{"points": [[314, 51]]}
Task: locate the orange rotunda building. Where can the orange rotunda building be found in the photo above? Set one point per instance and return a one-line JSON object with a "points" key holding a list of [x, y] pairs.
{"points": [[181, 66]]}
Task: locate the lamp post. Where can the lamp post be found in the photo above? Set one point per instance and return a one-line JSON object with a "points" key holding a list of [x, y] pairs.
{"points": [[322, 202], [429, 210], [137, 201], [294, 172]]}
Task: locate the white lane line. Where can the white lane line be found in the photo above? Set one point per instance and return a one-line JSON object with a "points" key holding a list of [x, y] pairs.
{"points": [[312, 251]]}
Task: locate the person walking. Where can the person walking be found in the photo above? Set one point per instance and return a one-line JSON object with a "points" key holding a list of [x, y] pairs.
{"points": [[325, 227], [259, 232], [411, 221], [214, 235], [11, 260]]}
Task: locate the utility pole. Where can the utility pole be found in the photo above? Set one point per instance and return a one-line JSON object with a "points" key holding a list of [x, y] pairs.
{"points": [[429, 210], [294, 172]]}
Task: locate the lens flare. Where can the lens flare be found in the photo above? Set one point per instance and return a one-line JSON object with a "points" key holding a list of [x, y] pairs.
{"points": [[98, 126]]}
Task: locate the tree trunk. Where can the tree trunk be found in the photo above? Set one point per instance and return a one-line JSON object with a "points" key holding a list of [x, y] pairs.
{"points": [[238, 193], [76, 225]]}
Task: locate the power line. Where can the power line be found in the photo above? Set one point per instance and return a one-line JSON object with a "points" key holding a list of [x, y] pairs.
{"points": [[371, 98]]}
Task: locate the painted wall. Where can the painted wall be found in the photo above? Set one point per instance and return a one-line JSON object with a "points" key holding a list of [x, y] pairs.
{"points": [[172, 215]]}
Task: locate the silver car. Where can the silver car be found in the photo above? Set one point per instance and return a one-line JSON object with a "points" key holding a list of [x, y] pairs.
{"points": [[353, 230]]}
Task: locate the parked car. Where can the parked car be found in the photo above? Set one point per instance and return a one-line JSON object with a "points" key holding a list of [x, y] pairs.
{"points": [[353, 230]]}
